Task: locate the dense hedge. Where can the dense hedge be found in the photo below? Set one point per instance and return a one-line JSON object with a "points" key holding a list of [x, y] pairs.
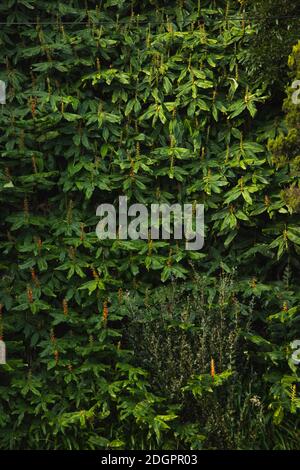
{"points": [[150, 100]]}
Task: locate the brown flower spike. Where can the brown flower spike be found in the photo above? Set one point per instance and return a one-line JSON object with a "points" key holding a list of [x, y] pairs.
{"points": [[105, 312]]}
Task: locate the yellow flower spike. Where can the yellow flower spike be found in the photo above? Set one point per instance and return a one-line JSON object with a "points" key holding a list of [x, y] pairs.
{"points": [[212, 368]]}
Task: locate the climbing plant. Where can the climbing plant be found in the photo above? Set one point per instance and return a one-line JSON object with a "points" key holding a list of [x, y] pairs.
{"points": [[146, 99]]}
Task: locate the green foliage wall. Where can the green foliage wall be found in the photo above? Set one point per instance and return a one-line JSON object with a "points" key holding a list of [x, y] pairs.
{"points": [[147, 99], [276, 31]]}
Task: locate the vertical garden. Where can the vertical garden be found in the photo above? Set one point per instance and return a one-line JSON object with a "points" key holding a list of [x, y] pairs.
{"points": [[142, 344]]}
